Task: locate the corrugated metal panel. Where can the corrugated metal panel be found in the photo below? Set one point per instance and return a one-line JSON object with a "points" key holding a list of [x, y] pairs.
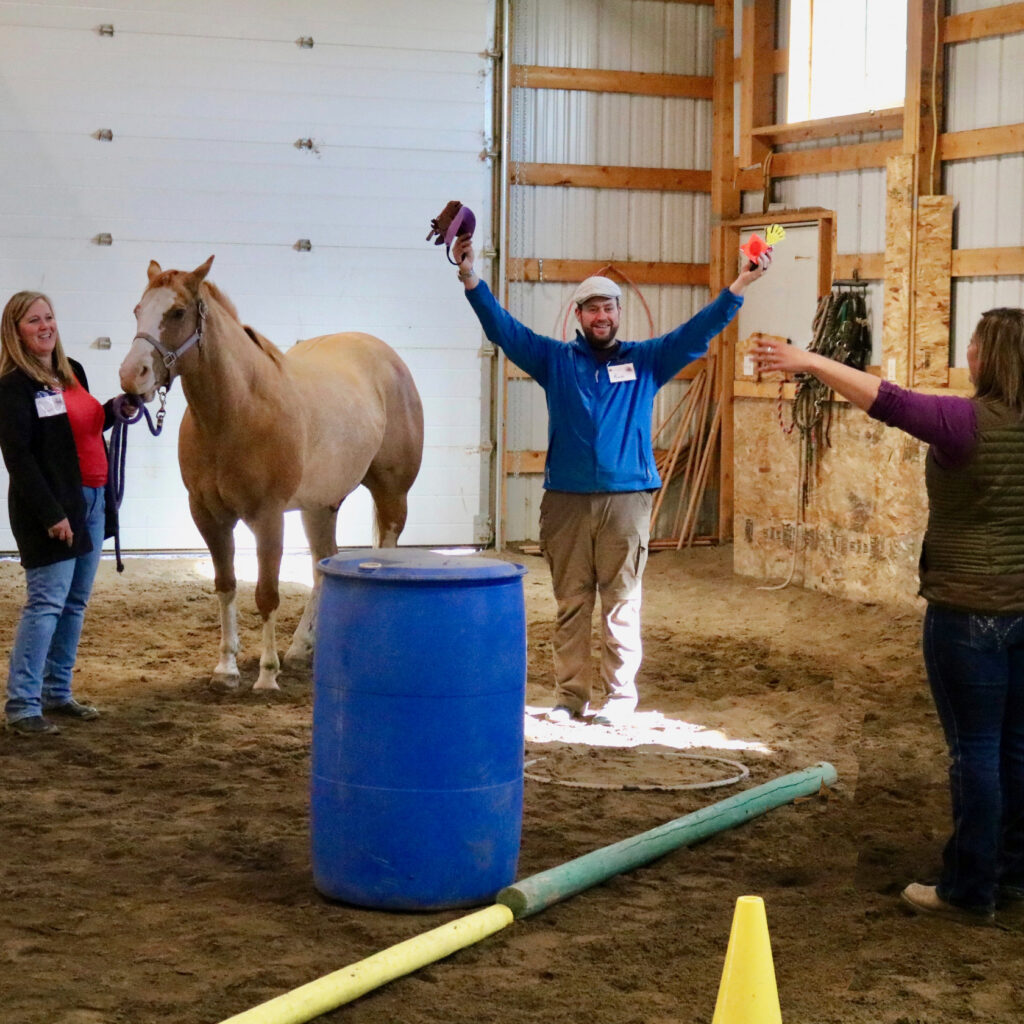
{"points": [[964, 6], [556, 126], [971, 297], [984, 88], [618, 35]]}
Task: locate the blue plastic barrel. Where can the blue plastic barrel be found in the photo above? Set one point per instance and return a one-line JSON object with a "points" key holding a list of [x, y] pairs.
{"points": [[419, 681]]}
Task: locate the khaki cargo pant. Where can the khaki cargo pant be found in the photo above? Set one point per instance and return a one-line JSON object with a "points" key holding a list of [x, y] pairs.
{"points": [[596, 544]]}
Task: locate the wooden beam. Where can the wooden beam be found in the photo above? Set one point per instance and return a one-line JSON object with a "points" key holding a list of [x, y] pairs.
{"points": [[633, 83], [960, 378], [800, 215], [992, 21], [757, 82], [849, 124], [866, 266], [655, 179], [726, 203], [779, 60], [519, 462], [827, 160], [980, 142], [923, 97], [636, 271], [1007, 261]]}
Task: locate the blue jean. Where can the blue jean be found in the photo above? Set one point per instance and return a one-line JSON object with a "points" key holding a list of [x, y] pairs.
{"points": [[46, 641], [975, 666]]}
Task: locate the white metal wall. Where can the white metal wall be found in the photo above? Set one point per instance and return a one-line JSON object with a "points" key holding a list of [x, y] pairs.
{"points": [[205, 104], [559, 126]]}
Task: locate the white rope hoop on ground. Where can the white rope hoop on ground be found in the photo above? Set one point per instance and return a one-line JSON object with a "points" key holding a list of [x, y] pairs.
{"points": [[743, 773]]}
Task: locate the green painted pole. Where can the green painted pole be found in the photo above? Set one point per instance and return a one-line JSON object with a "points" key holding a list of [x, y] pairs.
{"points": [[536, 893]]}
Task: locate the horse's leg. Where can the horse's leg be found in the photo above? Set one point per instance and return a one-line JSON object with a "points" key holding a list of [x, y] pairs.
{"points": [[390, 505], [320, 526], [220, 539], [268, 529]]}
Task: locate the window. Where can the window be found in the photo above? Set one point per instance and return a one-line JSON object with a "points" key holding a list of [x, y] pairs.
{"points": [[845, 57]]}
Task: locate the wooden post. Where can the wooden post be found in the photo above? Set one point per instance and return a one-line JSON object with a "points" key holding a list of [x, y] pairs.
{"points": [[757, 77], [922, 115], [725, 205]]}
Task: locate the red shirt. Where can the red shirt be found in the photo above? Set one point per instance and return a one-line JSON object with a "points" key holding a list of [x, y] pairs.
{"points": [[86, 417]]}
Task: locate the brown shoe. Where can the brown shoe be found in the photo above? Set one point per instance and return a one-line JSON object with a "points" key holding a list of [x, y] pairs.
{"points": [[924, 899]]}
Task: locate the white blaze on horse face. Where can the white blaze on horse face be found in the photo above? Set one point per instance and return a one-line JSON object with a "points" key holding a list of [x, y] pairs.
{"points": [[142, 372]]}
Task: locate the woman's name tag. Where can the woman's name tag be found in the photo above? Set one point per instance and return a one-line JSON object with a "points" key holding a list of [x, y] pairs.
{"points": [[50, 403], [619, 373]]}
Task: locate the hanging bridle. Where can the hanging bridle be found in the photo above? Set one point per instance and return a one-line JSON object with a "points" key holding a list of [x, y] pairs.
{"points": [[171, 356]]}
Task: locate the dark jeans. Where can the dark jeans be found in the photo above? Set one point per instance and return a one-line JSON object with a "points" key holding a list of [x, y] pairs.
{"points": [[975, 666]]}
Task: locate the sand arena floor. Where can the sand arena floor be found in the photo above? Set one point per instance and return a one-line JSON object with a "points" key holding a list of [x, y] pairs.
{"points": [[156, 863]]}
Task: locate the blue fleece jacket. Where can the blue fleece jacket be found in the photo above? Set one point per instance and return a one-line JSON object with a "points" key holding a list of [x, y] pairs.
{"points": [[599, 414]]}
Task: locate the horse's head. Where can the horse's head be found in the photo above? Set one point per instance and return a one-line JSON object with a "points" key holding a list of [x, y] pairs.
{"points": [[169, 318]]}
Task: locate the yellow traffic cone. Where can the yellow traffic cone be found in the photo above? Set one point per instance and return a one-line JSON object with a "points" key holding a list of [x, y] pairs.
{"points": [[747, 993]]}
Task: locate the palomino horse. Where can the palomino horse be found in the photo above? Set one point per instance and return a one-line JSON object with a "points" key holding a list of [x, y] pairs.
{"points": [[265, 432]]}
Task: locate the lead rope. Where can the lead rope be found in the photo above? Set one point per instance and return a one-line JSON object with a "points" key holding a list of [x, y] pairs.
{"points": [[119, 451]]}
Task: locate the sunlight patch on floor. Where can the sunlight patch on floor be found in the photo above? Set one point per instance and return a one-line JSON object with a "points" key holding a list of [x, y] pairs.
{"points": [[645, 727]]}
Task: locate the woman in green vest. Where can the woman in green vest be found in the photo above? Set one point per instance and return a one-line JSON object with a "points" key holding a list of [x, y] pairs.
{"points": [[972, 576]]}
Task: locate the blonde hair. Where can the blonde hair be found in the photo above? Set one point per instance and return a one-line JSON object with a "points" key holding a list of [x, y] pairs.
{"points": [[12, 348], [1000, 353]]}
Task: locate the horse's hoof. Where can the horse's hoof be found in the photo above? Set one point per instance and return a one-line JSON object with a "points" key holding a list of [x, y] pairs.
{"points": [[298, 660], [265, 683]]}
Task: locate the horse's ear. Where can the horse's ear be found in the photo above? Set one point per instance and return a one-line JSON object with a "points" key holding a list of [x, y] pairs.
{"points": [[201, 271], [153, 269]]}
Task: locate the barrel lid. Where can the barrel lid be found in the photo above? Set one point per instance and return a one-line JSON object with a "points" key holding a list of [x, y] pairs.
{"points": [[417, 565]]}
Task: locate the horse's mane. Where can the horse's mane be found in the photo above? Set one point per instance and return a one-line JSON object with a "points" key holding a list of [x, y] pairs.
{"points": [[264, 344]]}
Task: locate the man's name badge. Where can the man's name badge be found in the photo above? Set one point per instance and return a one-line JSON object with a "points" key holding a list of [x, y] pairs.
{"points": [[50, 403], [621, 372]]}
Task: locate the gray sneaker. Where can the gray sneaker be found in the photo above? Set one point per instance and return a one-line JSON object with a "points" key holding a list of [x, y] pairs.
{"points": [[34, 725]]}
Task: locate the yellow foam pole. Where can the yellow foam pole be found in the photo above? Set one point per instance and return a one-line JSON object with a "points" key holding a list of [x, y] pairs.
{"points": [[747, 994], [340, 987]]}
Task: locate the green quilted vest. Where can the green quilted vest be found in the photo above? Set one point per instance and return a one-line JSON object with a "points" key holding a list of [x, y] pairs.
{"points": [[973, 552]]}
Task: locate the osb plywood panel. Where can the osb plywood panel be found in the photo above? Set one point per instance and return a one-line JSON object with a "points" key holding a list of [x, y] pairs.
{"points": [[745, 360], [932, 288], [899, 214], [867, 512]]}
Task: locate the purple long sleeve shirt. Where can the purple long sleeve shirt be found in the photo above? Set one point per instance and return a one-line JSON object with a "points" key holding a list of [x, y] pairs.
{"points": [[948, 423]]}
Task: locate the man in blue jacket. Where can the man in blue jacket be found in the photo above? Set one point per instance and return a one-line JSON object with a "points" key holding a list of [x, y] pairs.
{"points": [[599, 475]]}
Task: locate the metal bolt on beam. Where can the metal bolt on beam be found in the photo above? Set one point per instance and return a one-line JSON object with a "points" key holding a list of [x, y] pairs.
{"points": [[103, 134], [105, 30], [303, 245], [104, 238], [304, 42]]}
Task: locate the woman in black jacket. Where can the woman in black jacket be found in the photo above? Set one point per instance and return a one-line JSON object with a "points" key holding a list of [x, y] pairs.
{"points": [[51, 436]]}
